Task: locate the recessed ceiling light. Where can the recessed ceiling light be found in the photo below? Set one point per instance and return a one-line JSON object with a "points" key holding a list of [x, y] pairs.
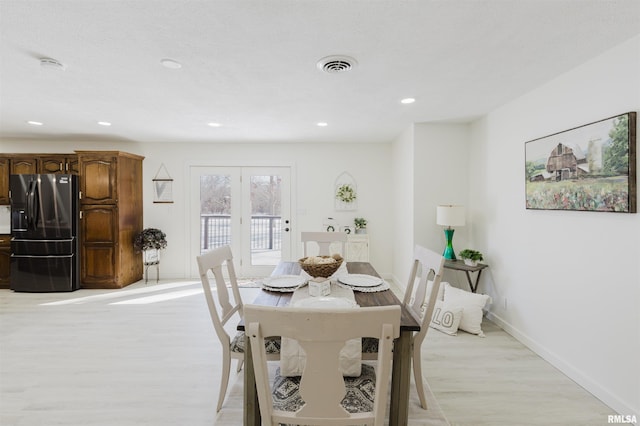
{"points": [[322, 124], [214, 124], [171, 64], [407, 101], [104, 123], [35, 123]]}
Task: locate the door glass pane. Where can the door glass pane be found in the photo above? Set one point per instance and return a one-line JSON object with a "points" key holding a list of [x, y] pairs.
{"points": [[266, 217], [215, 211]]}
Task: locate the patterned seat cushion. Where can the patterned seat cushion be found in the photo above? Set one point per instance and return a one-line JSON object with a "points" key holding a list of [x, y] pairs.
{"points": [[358, 399], [369, 345], [272, 344]]}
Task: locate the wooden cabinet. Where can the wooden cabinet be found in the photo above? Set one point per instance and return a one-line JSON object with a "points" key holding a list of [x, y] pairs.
{"points": [[58, 163], [5, 171], [15, 164], [24, 165], [99, 230], [111, 204], [99, 179], [5, 258]]}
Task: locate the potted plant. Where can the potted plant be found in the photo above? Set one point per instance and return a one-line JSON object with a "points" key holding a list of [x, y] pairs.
{"points": [[471, 257], [361, 225], [150, 241]]}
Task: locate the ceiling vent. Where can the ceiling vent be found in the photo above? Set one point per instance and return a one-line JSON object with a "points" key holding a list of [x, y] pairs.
{"points": [[336, 64]]}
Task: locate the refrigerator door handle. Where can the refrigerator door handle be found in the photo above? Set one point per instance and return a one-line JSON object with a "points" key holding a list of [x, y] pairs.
{"points": [[36, 203], [30, 205]]}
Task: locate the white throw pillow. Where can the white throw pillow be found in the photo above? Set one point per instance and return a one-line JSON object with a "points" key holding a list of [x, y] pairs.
{"points": [[471, 304], [440, 295], [429, 287], [446, 318]]}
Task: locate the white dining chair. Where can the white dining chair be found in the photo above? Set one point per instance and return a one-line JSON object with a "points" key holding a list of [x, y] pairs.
{"points": [[325, 241], [322, 396], [420, 301], [219, 264]]}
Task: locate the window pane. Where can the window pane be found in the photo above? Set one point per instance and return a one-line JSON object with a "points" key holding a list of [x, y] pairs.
{"points": [[215, 211], [266, 213]]}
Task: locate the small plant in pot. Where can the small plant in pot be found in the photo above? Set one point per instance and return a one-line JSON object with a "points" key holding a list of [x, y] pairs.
{"points": [[361, 225], [150, 240], [470, 257]]}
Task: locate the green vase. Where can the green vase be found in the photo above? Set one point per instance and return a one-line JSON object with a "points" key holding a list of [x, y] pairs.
{"points": [[449, 254]]}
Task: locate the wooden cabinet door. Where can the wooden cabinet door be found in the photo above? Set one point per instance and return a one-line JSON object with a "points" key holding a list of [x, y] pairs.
{"points": [[24, 165], [5, 260], [56, 163], [98, 179], [99, 235], [99, 224], [73, 165], [98, 269], [52, 164], [5, 171]]}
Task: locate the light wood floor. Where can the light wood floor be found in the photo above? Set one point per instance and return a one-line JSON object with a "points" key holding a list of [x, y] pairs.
{"points": [[147, 355]]}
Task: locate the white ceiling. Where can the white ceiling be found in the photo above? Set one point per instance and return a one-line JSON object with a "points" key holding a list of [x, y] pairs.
{"points": [[251, 65]]}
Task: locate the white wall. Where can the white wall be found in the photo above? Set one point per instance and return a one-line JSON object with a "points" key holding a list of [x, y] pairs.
{"points": [[570, 279], [441, 166], [430, 163], [315, 168], [403, 184]]}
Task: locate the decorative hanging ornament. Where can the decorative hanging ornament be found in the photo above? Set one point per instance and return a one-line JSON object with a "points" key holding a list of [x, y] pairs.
{"points": [[162, 186]]}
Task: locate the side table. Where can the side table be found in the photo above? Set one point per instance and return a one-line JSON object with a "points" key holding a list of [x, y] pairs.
{"points": [[459, 265]]}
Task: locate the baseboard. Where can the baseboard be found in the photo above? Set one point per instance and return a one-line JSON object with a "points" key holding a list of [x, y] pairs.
{"points": [[578, 376]]}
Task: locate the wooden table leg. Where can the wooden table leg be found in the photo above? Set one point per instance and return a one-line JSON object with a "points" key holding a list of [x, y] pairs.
{"points": [[401, 380], [251, 405]]}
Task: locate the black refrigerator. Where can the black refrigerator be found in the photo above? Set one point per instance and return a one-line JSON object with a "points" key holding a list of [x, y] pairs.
{"points": [[44, 233]]}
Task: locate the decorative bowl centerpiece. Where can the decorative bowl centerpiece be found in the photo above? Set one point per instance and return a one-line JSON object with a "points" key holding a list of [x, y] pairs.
{"points": [[321, 266]]}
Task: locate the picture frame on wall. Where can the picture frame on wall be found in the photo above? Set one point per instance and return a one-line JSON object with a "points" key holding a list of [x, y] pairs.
{"points": [[587, 168]]}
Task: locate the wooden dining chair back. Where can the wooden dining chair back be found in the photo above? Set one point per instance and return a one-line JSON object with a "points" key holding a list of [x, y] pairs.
{"points": [[322, 396], [217, 264], [325, 242], [419, 299]]}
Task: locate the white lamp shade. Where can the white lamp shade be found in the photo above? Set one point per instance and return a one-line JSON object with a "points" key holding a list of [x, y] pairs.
{"points": [[450, 215]]}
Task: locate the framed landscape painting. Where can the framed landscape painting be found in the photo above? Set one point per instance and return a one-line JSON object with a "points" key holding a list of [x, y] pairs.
{"points": [[588, 168]]}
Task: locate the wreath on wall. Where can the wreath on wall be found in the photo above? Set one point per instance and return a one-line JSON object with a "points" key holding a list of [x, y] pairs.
{"points": [[346, 193]]}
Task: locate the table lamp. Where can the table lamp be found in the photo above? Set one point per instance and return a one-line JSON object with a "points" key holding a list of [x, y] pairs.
{"points": [[450, 215]]}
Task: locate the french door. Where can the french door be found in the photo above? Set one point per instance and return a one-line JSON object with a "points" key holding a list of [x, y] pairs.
{"points": [[248, 208]]}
